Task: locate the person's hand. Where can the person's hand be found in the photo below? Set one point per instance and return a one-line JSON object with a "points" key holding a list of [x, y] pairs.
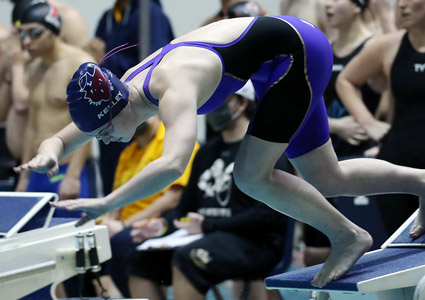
{"points": [[193, 223], [69, 188], [148, 228], [42, 163], [93, 207], [376, 130], [349, 130]]}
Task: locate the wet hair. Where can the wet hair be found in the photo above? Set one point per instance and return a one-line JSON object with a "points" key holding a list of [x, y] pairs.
{"points": [[363, 4], [250, 105], [95, 95], [36, 11]]}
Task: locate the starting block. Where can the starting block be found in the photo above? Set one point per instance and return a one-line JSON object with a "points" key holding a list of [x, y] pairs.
{"points": [[25, 211], [38, 251], [401, 237], [394, 272]]}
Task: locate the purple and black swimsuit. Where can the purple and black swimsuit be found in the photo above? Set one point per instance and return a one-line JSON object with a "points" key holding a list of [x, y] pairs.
{"points": [[289, 62]]}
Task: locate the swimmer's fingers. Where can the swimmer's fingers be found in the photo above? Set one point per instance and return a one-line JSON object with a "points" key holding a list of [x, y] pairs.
{"points": [[93, 207], [40, 164]]}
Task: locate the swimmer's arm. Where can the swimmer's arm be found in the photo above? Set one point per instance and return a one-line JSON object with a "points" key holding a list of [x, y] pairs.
{"points": [[77, 160], [65, 142], [53, 149], [161, 205], [367, 64], [178, 113]]}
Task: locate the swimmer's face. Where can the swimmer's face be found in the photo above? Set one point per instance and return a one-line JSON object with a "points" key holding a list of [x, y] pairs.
{"points": [[340, 12], [35, 38], [116, 130], [411, 13]]}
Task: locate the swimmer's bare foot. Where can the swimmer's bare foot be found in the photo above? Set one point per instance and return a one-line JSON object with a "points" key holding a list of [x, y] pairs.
{"points": [[418, 227], [343, 255]]}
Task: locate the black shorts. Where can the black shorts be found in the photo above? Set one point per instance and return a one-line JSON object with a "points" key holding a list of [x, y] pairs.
{"points": [[213, 259]]}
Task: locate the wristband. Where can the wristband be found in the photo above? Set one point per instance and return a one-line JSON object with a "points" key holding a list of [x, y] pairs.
{"points": [[164, 225]]}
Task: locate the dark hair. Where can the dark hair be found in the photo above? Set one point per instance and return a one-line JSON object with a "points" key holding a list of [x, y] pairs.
{"points": [[363, 4], [250, 106]]}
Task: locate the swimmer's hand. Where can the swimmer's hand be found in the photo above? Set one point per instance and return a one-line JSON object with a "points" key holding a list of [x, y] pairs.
{"points": [[93, 207], [42, 163]]}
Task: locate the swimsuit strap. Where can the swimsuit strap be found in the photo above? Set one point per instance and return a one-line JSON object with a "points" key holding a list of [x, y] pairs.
{"points": [[155, 61]]}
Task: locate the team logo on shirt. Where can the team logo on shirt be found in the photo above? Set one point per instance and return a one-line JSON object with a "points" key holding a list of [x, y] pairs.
{"points": [[216, 182], [419, 68], [95, 86]]}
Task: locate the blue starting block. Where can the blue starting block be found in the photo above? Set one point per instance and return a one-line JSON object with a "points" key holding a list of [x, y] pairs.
{"points": [[401, 237], [394, 272], [25, 211]]}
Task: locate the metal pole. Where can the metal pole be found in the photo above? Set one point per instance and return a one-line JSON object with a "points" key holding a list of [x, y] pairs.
{"points": [[144, 27]]}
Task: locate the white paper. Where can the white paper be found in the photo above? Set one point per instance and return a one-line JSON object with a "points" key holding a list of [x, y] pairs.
{"points": [[176, 239]]}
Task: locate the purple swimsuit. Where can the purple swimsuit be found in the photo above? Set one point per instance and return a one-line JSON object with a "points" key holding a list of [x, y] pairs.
{"points": [[289, 62]]}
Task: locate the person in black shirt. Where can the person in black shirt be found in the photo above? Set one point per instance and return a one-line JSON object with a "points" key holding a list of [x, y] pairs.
{"points": [[243, 238]]}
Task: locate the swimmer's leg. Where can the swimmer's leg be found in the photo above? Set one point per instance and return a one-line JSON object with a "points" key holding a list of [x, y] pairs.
{"points": [[255, 175], [354, 177], [362, 176]]}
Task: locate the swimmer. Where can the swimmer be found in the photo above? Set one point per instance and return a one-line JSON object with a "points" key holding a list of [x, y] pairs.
{"points": [[289, 62]]}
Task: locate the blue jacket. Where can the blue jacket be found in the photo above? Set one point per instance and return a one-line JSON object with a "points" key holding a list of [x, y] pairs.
{"points": [[115, 33]]}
